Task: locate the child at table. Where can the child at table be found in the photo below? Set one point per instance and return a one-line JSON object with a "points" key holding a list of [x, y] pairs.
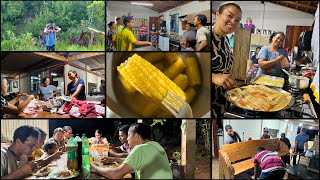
{"points": [[98, 140], [50, 147]]}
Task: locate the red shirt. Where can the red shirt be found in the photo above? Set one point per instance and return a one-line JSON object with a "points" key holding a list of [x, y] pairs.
{"points": [[143, 30]]}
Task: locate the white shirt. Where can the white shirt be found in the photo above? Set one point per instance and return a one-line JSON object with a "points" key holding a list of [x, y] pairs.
{"points": [[9, 162], [202, 35]]}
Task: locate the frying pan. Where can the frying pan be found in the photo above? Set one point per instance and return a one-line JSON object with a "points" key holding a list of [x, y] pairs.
{"points": [[258, 111]]}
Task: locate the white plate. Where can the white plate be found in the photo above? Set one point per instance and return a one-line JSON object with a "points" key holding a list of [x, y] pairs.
{"points": [[52, 175]]}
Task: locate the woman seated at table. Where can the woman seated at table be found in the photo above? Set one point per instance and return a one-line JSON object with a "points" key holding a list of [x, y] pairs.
{"points": [[98, 140], [15, 106], [273, 58], [47, 91], [76, 88], [59, 138]]}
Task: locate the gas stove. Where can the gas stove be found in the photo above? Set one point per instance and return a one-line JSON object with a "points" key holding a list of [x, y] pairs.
{"points": [[298, 110]]}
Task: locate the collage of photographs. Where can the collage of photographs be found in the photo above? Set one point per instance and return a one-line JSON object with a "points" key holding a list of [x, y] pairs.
{"points": [[115, 89]]}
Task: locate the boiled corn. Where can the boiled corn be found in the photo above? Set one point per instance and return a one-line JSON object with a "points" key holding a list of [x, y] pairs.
{"points": [[148, 80], [153, 57], [175, 69], [190, 94], [172, 57], [127, 86], [182, 81], [192, 71]]}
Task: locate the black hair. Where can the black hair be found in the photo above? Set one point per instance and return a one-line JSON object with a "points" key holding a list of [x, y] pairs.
{"points": [[118, 19], [49, 145], [98, 131], [126, 20], [42, 133], [202, 18], [143, 129], [66, 128], [125, 129], [51, 21], [44, 79], [261, 148], [258, 47], [274, 34], [227, 127], [110, 24], [74, 72], [226, 4], [23, 132], [59, 129]]}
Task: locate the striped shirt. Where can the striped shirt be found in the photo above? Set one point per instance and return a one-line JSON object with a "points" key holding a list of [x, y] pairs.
{"points": [[143, 30], [268, 161]]}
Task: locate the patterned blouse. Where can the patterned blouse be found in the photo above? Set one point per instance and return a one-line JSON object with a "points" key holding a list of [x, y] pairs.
{"points": [[222, 61], [4, 103], [110, 46]]}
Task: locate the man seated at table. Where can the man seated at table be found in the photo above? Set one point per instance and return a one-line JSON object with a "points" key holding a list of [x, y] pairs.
{"points": [[270, 163], [25, 139], [148, 159], [38, 152]]}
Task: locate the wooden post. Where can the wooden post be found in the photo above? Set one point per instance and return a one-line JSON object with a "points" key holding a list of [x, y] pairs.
{"points": [[215, 138], [188, 148]]}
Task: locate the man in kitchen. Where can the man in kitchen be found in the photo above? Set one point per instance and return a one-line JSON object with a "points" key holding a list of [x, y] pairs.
{"points": [[203, 34], [143, 29], [124, 40]]}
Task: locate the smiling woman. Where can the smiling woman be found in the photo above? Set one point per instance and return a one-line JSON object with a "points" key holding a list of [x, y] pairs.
{"points": [[228, 17]]}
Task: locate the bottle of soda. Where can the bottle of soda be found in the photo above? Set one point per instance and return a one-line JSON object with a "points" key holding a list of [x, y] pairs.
{"points": [[72, 147], [79, 157], [85, 151]]}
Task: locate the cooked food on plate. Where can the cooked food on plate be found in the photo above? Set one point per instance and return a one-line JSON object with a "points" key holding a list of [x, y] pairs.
{"points": [[269, 81], [259, 98], [43, 171], [64, 173]]}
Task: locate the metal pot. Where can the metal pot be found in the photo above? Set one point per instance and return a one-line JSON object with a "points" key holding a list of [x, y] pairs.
{"points": [[126, 105], [145, 48], [299, 82]]}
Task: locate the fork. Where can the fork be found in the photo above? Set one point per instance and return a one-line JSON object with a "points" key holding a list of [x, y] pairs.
{"points": [[178, 107]]}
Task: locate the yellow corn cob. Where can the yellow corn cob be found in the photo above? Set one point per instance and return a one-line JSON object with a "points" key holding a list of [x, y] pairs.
{"points": [[172, 57], [175, 69], [182, 81], [161, 65], [150, 110], [190, 94], [153, 57], [148, 80], [192, 71], [127, 86]]}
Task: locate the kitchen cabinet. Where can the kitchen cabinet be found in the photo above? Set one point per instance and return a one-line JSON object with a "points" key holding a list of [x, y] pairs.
{"points": [[163, 43], [293, 34], [241, 50]]}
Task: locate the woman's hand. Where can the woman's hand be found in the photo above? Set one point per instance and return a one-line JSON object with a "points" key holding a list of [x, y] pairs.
{"points": [[224, 80]]}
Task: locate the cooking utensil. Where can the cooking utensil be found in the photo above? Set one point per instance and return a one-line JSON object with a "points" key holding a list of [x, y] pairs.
{"points": [[171, 101], [299, 82]]}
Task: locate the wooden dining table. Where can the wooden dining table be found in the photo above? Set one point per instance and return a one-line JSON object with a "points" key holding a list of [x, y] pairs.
{"points": [[43, 114], [84, 173]]}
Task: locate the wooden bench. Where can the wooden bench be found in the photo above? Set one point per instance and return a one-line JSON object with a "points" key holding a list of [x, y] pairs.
{"points": [[238, 157]]}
